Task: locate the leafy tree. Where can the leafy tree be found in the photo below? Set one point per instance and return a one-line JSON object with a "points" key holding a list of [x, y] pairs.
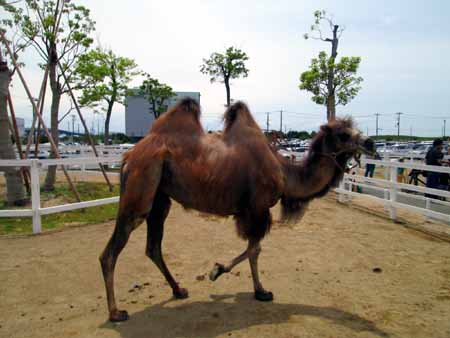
{"points": [[226, 66], [157, 94], [328, 68], [345, 85], [59, 32], [103, 79], [11, 15], [302, 135]]}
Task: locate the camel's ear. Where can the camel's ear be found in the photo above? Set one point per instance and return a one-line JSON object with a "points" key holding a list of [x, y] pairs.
{"points": [[326, 129]]}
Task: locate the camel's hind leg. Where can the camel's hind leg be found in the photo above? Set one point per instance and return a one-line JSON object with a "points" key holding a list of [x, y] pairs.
{"points": [[155, 231], [108, 260], [138, 189]]}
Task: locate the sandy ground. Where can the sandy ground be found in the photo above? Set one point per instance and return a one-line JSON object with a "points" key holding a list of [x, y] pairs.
{"points": [[320, 270]]}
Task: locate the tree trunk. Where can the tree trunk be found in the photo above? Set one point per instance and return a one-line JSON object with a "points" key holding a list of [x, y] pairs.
{"points": [[331, 100], [54, 111], [107, 120], [331, 107], [227, 87], [15, 194]]}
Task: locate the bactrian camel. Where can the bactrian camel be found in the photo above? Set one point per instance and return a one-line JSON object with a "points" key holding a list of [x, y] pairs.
{"points": [[237, 173]]}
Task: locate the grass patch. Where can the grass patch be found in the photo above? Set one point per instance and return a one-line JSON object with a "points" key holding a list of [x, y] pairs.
{"points": [[62, 195]]}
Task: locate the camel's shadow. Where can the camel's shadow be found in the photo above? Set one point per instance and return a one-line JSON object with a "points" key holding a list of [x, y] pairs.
{"points": [[216, 317]]}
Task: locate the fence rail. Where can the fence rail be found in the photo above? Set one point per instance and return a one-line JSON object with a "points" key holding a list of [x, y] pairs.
{"points": [[36, 166], [389, 187], [392, 189]]}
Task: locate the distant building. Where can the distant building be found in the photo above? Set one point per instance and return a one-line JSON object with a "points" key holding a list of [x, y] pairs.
{"points": [[138, 116], [20, 125]]}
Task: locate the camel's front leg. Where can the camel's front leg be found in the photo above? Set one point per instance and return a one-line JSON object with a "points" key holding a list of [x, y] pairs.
{"points": [[219, 269], [252, 253], [260, 293]]}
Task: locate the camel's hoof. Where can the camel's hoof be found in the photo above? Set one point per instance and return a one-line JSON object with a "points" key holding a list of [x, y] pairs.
{"points": [[263, 296], [217, 270], [118, 316], [180, 293]]}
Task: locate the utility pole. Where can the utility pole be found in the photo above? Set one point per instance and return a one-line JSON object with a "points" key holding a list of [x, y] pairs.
{"points": [[444, 128], [376, 127], [267, 123], [281, 120], [398, 123], [367, 131]]}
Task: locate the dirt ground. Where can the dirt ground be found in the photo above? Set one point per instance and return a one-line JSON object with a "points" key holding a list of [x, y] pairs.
{"points": [[321, 271]]}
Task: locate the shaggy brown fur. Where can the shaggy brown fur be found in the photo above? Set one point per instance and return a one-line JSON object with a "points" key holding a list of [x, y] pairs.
{"points": [[236, 173]]}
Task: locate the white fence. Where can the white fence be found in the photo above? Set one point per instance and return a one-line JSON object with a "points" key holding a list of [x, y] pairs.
{"points": [[35, 166], [391, 189]]}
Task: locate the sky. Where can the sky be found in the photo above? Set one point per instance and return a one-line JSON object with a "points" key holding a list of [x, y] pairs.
{"points": [[404, 46]]}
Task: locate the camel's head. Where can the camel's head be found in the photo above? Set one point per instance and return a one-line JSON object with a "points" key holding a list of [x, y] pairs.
{"points": [[341, 138]]}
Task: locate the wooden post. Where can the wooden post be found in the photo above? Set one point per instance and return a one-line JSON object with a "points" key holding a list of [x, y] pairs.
{"points": [[91, 141], [18, 143], [30, 97], [35, 118], [393, 193], [36, 196]]}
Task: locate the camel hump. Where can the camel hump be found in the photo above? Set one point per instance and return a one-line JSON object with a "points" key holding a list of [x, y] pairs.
{"points": [[187, 105], [239, 113]]}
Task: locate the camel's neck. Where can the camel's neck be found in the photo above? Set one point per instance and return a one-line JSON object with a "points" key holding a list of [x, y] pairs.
{"points": [[312, 177]]}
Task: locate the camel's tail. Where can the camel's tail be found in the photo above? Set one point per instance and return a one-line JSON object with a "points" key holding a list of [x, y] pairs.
{"points": [[122, 175], [239, 113]]}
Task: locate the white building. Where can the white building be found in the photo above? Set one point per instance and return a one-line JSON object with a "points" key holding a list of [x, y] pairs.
{"points": [[139, 117], [20, 125]]}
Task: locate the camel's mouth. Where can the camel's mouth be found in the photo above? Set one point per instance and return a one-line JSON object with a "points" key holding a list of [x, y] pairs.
{"points": [[367, 147]]}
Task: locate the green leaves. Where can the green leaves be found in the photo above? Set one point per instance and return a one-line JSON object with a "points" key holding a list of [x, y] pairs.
{"points": [[345, 84], [229, 65], [56, 28], [103, 77], [157, 94]]}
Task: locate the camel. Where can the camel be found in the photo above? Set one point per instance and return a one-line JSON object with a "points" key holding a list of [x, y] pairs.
{"points": [[235, 173]]}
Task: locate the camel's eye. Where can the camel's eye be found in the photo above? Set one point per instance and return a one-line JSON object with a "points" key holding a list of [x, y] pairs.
{"points": [[344, 137]]}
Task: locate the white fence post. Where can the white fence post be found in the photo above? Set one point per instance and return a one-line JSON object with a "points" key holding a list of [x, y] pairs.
{"points": [[35, 196], [341, 197], [393, 193], [386, 169], [428, 207]]}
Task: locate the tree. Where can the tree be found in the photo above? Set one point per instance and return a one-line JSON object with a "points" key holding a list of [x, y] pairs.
{"points": [[320, 18], [302, 135], [345, 85], [103, 79], [223, 67], [15, 194], [59, 31], [156, 94]]}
